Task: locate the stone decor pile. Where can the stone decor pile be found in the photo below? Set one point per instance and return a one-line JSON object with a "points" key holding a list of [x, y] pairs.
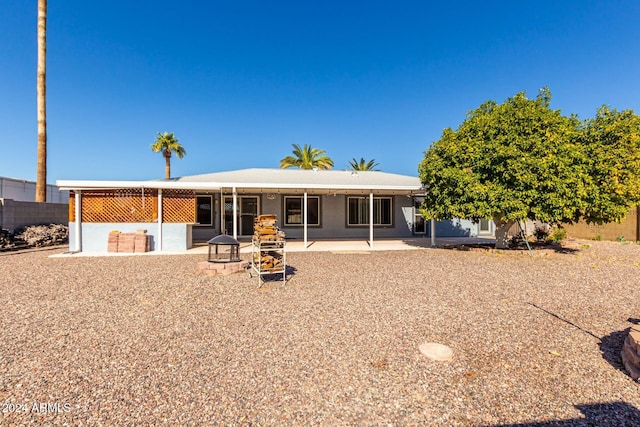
{"points": [[630, 352], [137, 242]]}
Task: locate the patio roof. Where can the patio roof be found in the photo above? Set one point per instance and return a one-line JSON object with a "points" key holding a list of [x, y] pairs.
{"points": [[256, 178]]}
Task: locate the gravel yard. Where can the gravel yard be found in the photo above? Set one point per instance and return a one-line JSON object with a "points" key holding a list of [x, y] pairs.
{"points": [[144, 340]]}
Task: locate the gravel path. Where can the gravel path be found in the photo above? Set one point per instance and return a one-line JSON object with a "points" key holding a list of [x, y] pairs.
{"points": [[146, 341]]}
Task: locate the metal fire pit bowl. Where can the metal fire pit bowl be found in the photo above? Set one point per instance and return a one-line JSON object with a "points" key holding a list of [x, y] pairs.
{"points": [[223, 248]]}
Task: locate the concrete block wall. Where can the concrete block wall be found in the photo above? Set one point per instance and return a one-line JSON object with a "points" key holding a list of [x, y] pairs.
{"points": [[16, 214]]}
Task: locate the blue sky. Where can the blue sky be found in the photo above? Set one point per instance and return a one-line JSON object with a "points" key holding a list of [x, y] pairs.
{"points": [[239, 82]]}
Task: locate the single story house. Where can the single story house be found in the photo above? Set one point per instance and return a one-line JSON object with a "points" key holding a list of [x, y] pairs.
{"points": [[309, 204]]}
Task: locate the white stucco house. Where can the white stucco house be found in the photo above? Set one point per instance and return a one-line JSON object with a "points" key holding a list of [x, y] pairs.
{"points": [[309, 204]]}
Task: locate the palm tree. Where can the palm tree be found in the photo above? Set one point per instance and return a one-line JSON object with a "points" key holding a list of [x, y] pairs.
{"points": [[307, 158], [168, 143], [41, 87], [363, 165]]}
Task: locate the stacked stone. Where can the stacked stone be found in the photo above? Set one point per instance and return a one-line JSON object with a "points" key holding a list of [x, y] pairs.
{"points": [[631, 352], [224, 268], [129, 242]]}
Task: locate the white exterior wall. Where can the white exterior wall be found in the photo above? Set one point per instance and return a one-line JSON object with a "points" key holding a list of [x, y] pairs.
{"points": [[25, 191], [333, 219], [175, 236]]}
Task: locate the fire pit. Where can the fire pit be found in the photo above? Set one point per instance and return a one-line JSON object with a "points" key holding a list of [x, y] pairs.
{"points": [[224, 248]]}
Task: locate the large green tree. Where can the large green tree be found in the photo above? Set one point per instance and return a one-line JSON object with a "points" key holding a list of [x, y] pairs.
{"points": [[363, 165], [307, 158], [508, 162], [612, 141], [167, 143], [521, 159]]}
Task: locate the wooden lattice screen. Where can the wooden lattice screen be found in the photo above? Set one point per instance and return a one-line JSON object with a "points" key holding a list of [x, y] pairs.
{"points": [[130, 205], [179, 206], [135, 205]]}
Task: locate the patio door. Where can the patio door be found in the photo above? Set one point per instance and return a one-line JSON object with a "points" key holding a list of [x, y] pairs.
{"points": [[247, 210]]}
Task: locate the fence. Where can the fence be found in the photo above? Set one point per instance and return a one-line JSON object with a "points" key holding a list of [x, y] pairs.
{"points": [[628, 229], [16, 214], [133, 205]]}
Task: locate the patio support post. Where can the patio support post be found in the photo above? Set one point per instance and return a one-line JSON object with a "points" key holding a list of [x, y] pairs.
{"points": [[159, 242], [371, 219], [304, 210], [235, 216], [78, 214], [433, 233]]}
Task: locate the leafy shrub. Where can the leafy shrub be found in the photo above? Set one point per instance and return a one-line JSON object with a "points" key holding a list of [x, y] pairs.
{"points": [[558, 234], [597, 237]]}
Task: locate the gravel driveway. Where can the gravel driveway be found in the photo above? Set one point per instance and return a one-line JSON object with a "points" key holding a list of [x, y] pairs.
{"points": [[144, 340]]}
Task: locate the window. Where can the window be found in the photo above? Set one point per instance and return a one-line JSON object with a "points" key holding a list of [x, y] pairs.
{"points": [[204, 210], [293, 213], [358, 211]]}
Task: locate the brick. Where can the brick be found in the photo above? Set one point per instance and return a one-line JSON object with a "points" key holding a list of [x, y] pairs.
{"points": [[126, 242], [632, 370], [141, 243], [224, 268], [634, 338], [631, 353]]}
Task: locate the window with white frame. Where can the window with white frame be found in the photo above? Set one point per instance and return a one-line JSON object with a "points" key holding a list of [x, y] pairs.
{"points": [[293, 212], [358, 211]]}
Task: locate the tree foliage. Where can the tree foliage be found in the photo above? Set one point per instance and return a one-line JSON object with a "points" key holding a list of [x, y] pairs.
{"points": [[612, 140], [363, 165], [167, 143], [521, 159], [307, 158]]}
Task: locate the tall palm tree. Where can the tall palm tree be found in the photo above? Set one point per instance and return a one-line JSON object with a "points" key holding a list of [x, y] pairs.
{"points": [[41, 87], [168, 143], [363, 165], [307, 158]]}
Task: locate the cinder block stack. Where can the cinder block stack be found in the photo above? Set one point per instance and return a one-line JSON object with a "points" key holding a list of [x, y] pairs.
{"points": [[631, 352], [112, 245], [141, 241], [126, 242], [129, 242]]}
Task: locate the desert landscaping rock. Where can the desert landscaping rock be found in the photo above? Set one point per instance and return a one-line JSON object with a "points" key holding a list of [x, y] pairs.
{"points": [[146, 340], [435, 351]]}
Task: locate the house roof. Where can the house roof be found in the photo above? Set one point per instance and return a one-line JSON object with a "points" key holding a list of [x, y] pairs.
{"points": [[273, 179]]}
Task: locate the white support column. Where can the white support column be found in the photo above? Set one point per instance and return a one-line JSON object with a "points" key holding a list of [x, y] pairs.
{"points": [[222, 229], [371, 219], [433, 233], [78, 214], [159, 242], [305, 213], [235, 214]]}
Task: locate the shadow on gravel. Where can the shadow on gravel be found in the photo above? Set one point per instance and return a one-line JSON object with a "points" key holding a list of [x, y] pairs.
{"points": [[611, 346], [277, 277], [610, 414], [535, 247]]}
